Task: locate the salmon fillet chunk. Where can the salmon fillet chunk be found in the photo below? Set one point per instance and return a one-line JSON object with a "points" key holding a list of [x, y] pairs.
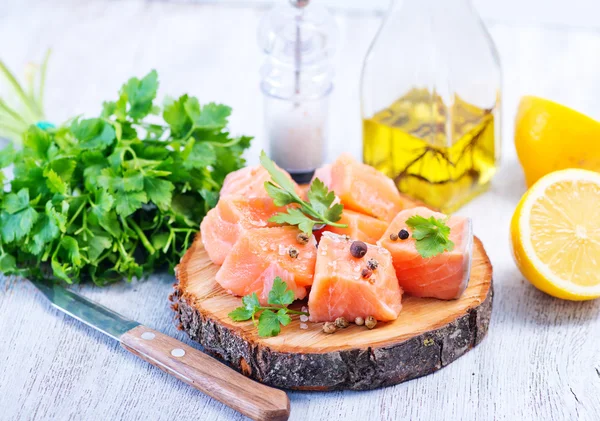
{"points": [[250, 182], [444, 276], [360, 227], [341, 290], [232, 216], [362, 188], [262, 254]]}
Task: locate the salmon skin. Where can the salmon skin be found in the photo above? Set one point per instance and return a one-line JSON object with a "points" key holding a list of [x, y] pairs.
{"points": [[341, 290], [444, 276], [260, 255]]}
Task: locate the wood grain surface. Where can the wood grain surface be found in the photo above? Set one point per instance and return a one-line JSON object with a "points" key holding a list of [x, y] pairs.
{"points": [[541, 358]]}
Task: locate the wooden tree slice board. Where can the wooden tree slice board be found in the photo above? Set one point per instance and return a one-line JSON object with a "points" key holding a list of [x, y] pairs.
{"points": [[428, 334]]}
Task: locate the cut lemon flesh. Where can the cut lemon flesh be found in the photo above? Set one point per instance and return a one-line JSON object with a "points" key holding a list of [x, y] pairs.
{"points": [[555, 233]]}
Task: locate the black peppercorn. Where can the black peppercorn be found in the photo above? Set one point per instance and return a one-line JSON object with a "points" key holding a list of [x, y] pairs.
{"points": [[403, 234], [358, 249]]}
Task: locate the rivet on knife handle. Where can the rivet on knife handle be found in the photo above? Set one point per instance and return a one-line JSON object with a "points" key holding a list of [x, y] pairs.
{"points": [[208, 375]]}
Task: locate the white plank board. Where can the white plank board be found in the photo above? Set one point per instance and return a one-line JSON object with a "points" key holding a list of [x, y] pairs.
{"points": [[541, 359]]}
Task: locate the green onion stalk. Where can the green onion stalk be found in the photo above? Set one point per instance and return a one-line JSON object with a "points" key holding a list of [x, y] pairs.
{"points": [[28, 98]]}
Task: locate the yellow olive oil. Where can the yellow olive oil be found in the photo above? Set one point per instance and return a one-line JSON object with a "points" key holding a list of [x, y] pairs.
{"points": [[442, 155]]}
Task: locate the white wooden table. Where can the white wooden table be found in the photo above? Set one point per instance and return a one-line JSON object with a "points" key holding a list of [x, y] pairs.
{"points": [[541, 359]]}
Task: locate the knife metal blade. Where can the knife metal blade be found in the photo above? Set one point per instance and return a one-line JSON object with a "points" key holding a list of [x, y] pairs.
{"points": [[86, 311]]}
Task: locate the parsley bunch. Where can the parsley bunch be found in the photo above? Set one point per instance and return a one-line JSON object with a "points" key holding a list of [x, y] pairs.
{"points": [[271, 317], [318, 210], [432, 235], [114, 196]]}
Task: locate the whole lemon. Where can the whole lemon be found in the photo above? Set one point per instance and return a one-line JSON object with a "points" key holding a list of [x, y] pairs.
{"points": [[550, 137]]}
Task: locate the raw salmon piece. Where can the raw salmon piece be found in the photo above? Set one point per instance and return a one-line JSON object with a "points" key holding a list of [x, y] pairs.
{"points": [[233, 215], [360, 227], [249, 182], [362, 188], [262, 254], [444, 276], [340, 290]]}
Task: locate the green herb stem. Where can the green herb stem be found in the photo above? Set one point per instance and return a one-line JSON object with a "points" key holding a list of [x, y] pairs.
{"points": [[141, 236]]}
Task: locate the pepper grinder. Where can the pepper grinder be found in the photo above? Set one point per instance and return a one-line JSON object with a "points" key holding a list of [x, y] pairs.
{"points": [[299, 41]]}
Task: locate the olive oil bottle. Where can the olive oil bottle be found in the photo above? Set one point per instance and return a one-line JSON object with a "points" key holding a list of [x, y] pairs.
{"points": [[409, 142], [431, 102]]}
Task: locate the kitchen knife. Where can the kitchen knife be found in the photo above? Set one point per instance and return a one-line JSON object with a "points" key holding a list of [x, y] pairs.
{"points": [[190, 365]]}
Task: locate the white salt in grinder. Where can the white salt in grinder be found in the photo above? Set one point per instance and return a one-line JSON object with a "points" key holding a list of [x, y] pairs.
{"points": [[299, 41]]}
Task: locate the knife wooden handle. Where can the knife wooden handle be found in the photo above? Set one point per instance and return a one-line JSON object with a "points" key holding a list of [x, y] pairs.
{"points": [[208, 375]]}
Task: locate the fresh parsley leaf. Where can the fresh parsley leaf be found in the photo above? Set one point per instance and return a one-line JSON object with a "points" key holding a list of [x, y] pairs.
{"points": [[70, 245], [271, 317], [294, 216], [8, 264], [432, 235], [55, 183], [17, 225], [279, 178], [14, 203], [140, 95], [268, 324], [159, 191], [251, 302], [279, 294], [176, 116], [129, 202], [319, 196], [201, 155], [210, 117], [93, 133], [240, 314], [283, 316], [318, 210], [280, 197]]}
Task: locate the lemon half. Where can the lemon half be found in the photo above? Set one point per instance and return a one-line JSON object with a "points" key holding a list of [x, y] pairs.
{"points": [[555, 234]]}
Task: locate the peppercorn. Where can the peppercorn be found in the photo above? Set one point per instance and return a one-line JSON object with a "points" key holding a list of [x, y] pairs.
{"points": [[393, 236], [372, 264], [358, 249], [370, 322], [403, 234], [329, 327], [359, 321], [302, 238], [293, 253], [341, 323], [366, 273]]}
